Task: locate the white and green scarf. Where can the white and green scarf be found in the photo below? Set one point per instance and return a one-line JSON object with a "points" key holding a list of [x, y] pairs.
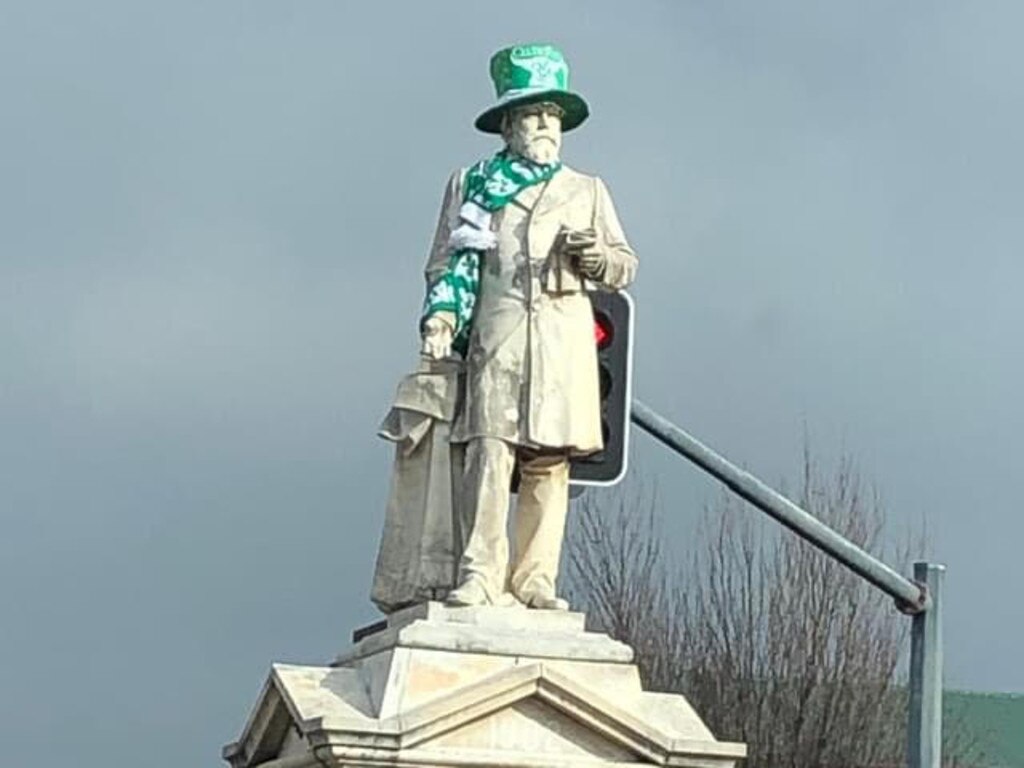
{"points": [[489, 186]]}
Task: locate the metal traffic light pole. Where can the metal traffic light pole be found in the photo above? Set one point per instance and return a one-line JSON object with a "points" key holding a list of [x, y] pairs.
{"points": [[920, 598]]}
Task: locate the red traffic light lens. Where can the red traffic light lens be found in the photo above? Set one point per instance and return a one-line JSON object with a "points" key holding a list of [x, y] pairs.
{"points": [[604, 331]]}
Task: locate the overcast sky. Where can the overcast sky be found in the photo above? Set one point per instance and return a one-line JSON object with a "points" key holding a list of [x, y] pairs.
{"points": [[213, 219]]}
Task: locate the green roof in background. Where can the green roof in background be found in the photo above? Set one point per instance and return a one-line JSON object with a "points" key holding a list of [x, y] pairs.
{"points": [[993, 724]]}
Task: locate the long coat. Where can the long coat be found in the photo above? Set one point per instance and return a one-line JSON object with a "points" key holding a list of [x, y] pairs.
{"points": [[531, 366]]}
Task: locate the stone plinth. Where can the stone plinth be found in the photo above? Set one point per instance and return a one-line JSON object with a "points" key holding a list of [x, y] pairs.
{"points": [[508, 687]]}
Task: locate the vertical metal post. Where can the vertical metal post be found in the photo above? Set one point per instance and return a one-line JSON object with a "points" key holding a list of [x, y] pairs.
{"points": [[924, 749]]}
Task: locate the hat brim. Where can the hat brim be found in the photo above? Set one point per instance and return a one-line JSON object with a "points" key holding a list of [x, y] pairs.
{"points": [[576, 109]]}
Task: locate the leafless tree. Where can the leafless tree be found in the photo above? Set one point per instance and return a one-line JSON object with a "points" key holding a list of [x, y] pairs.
{"points": [[772, 642]]}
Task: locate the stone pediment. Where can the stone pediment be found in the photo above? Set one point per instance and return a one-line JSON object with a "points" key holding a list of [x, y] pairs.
{"points": [[410, 706]]}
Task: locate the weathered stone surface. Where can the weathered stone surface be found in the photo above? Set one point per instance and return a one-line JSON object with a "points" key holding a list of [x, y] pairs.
{"points": [[389, 701], [491, 631], [516, 617]]}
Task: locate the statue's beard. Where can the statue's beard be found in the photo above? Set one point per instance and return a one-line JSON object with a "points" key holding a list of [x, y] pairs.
{"points": [[539, 149]]}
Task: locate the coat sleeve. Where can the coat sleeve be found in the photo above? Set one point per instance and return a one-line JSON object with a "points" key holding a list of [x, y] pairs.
{"points": [[448, 220], [621, 262]]}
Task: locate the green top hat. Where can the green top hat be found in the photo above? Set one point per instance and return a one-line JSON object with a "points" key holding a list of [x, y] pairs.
{"points": [[525, 74]]}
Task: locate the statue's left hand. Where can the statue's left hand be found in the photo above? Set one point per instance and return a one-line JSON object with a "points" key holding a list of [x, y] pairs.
{"points": [[580, 246], [437, 337], [592, 263]]}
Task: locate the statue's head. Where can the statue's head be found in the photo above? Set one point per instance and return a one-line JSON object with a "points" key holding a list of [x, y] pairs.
{"points": [[534, 131], [535, 105]]}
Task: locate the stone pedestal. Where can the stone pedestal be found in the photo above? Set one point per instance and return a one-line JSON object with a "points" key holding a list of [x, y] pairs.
{"points": [[440, 686]]}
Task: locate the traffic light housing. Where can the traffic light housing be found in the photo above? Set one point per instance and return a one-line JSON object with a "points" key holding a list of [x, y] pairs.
{"points": [[613, 335]]}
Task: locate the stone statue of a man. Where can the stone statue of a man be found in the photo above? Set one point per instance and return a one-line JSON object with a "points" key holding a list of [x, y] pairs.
{"points": [[520, 241]]}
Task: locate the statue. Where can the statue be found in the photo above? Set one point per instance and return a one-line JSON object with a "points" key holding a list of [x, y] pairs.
{"points": [[521, 240]]}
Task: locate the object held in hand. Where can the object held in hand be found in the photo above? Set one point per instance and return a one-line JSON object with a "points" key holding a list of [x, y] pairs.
{"points": [[579, 244], [578, 239]]}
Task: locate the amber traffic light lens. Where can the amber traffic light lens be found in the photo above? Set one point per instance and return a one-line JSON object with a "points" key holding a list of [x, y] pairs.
{"points": [[604, 379]]}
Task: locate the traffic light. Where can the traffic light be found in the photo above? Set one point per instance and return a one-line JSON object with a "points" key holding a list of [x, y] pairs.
{"points": [[613, 334]]}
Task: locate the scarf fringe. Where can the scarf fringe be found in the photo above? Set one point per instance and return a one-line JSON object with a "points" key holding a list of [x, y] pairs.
{"points": [[469, 237]]}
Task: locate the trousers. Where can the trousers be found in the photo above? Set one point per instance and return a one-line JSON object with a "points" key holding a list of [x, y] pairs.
{"points": [[531, 568]]}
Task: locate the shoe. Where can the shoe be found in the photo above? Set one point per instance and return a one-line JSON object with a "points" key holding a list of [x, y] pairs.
{"points": [[506, 600], [546, 603], [469, 593]]}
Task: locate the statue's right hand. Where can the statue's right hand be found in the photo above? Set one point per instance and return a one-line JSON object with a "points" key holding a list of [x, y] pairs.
{"points": [[436, 335]]}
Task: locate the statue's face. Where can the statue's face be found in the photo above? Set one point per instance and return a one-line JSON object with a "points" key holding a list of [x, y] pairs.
{"points": [[534, 131]]}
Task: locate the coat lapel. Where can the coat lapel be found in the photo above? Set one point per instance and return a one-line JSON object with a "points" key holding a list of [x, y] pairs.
{"points": [[545, 220], [554, 193]]}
